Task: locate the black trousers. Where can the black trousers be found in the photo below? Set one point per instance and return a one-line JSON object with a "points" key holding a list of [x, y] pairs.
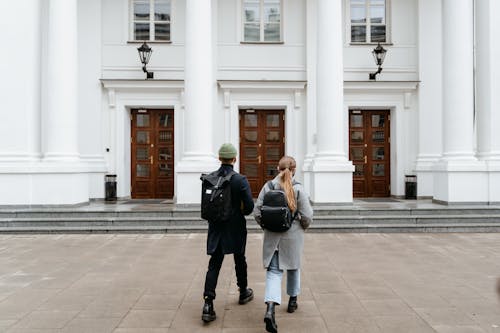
{"points": [[214, 265]]}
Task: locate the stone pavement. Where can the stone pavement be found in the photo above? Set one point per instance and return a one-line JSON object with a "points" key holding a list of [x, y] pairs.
{"points": [[153, 283]]}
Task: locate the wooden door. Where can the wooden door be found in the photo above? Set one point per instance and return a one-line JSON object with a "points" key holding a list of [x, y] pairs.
{"points": [[152, 147], [262, 144], [369, 151]]}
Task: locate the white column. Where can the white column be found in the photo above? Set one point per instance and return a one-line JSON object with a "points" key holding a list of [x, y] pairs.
{"points": [[61, 135], [429, 94], [460, 178], [332, 172], [20, 91], [311, 51], [20, 82], [199, 85], [487, 91]]}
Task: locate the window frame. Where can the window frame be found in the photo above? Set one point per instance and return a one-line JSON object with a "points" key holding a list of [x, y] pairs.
{"points": [[261, 24], [151, 23], [368, 24]]}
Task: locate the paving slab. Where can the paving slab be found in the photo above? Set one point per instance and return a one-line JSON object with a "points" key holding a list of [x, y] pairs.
{"points": [[363, 283]]}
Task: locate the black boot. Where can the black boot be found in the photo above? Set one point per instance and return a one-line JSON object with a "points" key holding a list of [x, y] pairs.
{"points": [[292, 304], [208, 313], [269, 319], [246, 295]]}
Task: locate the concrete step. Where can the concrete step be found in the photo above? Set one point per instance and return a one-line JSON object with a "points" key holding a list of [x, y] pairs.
{"points": [[194, 212], [158, 222]]}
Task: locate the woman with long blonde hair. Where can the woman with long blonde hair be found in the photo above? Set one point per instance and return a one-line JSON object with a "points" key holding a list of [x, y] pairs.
{"points": [[283, 250]]}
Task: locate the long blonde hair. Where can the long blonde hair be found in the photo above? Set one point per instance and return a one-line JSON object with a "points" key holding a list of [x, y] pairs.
{"points": [[287, 166]]}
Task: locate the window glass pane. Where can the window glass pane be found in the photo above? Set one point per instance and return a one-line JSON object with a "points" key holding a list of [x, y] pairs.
{"points": [[142, 170], [358, 14], [377, 2], [142, 137], [162, 10], [378, 153], [272, 32], [272, 153], [141, 31], [272, 12], [143, 120], [378, 120], [378, 170], [250, 120], [358, 34], [378, 136], [356, 120], [357, 136], [357, 153], [377, 15], [165, 120], [250, 170], [273, 136], [164, 170], [252, 11], [165, 136], [359, 170], [250, 153], [378, 33], [273, 120], [251, 136], [142, 154], [162, 31], [141, 10], [252, 32], [165, 154]]}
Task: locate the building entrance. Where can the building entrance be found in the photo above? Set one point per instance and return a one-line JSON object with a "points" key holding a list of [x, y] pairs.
{"points": [[369, 151], [152, 154], [262, 144]]}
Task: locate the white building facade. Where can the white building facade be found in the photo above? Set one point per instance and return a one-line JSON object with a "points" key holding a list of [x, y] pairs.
{"points": [[273, 77]]}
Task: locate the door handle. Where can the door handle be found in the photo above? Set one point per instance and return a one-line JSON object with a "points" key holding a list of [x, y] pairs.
{"points": [[151, 159], [260, 159], [366, 159]]}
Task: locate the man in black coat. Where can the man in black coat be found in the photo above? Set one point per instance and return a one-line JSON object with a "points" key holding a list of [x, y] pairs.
{"points": [[230, 236]]}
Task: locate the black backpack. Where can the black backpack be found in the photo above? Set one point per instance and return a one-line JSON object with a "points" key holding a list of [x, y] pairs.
{"points": [[275, 214], [216, 197]]}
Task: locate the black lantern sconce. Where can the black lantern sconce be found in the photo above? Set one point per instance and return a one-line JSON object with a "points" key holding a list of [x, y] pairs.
{"points": [[379, 56], [144, 54]]}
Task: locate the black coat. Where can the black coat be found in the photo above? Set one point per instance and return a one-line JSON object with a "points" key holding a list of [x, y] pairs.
{"points": [[232, 235]]}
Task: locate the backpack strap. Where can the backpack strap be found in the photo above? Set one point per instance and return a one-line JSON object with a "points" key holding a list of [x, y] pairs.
{"points": [[270, 185]]}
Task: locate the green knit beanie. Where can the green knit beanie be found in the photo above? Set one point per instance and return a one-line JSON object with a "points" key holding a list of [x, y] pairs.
{"points": [[227, 151]]}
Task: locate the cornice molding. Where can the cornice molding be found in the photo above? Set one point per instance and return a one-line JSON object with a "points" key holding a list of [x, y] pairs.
{"points": [[386, 86], [284, 85], [118, 84]]}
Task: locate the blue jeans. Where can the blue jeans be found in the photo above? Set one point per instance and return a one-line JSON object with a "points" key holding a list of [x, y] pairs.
{"points": [[273, 281]]}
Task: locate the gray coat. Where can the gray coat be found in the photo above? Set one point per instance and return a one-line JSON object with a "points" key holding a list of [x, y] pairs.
{"points": [[290, 242]]}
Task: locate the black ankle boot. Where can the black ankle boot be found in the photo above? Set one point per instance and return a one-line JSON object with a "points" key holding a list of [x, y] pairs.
{"points": [[246, 295], [208, 313], [292, 304], [269, 319]]}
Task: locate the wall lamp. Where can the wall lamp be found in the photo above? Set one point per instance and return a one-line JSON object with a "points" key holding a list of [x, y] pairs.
{"points": [[379, 56], [144, 54]]}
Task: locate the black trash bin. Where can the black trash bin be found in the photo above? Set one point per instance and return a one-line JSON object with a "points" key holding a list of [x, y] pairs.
{"points": [[410, 187], [110, 187]]}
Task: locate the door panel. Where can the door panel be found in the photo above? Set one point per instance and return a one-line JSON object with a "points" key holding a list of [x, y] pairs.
{"points": [[152, 146], [262, 145], [369, 151]]}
